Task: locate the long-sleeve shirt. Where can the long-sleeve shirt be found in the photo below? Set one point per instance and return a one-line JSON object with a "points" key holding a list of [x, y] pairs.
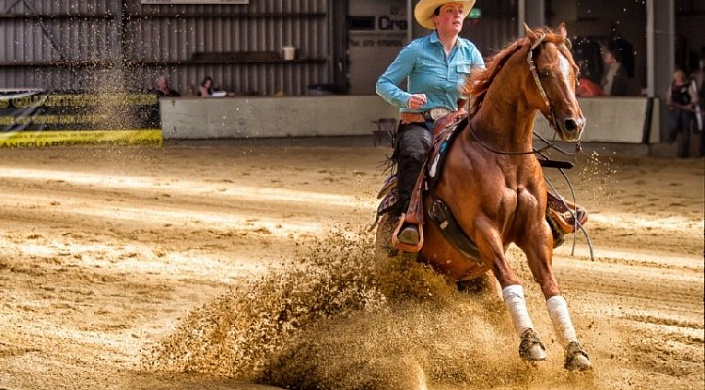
{"points": [[427, 70]]}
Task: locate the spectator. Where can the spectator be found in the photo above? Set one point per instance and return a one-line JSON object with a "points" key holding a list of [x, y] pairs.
{"points": [[682, 99], [587, 87], [162, 87], [615, 81], [206, 87], [699, 78]]}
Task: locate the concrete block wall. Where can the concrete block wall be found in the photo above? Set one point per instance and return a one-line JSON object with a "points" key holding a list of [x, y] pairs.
{"points": [[617, 120], [271, 117]]}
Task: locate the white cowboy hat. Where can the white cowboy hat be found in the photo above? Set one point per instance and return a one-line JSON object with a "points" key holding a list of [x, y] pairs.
{"points": [[424, 10]]}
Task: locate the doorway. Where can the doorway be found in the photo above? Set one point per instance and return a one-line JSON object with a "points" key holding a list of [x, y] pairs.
{"points": [[377, 31]]}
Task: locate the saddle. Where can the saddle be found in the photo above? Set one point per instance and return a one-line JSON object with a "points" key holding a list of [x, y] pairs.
{"points": [[563, 216]]}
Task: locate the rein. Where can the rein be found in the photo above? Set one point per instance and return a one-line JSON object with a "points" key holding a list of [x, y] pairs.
{"points": [[549, 145], [474, 135]]}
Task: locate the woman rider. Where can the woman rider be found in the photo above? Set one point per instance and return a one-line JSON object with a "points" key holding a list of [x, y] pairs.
{"points": [[435, 69]]}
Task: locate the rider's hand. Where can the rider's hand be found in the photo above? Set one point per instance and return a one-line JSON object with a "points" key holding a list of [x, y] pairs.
{"points": [[417, 101]]}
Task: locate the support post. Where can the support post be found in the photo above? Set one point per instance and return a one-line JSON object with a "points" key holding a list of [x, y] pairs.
{"points": [[660, 53]]}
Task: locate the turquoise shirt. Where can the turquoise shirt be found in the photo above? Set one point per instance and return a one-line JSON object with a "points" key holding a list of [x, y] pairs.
{"points": [[424, 65]]}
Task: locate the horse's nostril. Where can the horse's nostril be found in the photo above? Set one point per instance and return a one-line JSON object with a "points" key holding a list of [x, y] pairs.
{"points": [[571, 125]]}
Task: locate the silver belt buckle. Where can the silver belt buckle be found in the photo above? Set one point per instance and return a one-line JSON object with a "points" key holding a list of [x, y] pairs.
{"points": [[438, 112]]}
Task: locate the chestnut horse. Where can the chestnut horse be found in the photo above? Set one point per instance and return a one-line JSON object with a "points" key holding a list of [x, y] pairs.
{"points": [[493, 185]]}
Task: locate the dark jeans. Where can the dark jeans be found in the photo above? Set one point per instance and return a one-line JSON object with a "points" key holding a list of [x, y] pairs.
{"points": [[680, 122], [413, 143]]}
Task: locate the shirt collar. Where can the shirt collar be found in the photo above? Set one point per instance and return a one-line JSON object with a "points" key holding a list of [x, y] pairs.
{"points": [[435, 40]]}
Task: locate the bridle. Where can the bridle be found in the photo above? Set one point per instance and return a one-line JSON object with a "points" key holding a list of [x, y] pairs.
{"points": [[551, 117], [534, 72]]}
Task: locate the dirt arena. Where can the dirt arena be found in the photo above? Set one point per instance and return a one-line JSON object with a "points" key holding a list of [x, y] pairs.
{"points": [[245, 265]]}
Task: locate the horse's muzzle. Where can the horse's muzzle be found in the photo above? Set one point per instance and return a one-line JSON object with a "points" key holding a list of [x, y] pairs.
{"points": [[572, 127]]}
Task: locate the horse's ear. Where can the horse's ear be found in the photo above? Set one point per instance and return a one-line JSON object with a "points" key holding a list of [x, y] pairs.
{"points": [[562, 30], [530, 33]]}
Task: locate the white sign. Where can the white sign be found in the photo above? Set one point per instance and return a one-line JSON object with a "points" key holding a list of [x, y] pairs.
{"points": [[195, 1]]}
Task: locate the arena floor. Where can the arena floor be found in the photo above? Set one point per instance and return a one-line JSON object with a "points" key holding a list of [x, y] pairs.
{"points": [[166, 268]]}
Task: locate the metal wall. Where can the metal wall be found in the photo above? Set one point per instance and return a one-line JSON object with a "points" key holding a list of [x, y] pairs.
{"points": [[495, 29], [38, 39], [103, 44]]}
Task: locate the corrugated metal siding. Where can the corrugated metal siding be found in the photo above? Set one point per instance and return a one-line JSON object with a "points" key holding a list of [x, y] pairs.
{"points": [[495, 29], [65, 7], [254, 7], [76, 39], [161, 39]]}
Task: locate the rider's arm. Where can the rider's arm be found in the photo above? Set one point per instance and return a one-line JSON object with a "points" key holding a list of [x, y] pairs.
{"points": [[398, 70]]}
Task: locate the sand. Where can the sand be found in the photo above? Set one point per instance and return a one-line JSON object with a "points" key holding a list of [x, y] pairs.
{"points": [[246, 264]]}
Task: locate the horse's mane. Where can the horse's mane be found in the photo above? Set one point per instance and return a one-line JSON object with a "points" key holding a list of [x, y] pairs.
{"points": [[481, 79]]}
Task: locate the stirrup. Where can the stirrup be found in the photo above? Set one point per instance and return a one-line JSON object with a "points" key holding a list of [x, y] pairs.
{"points": [[409, 235], [564, 214], [407, 246]]}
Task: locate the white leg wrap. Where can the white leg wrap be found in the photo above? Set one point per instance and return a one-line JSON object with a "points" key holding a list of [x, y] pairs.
{"points": [[516, 305], [562, 325]]}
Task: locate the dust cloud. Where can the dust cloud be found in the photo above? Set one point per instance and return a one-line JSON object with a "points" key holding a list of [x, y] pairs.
{"points": [[327, 320]]}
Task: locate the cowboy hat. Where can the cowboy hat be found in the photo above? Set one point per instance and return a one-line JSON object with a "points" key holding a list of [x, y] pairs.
{"points": [[424, 10]]}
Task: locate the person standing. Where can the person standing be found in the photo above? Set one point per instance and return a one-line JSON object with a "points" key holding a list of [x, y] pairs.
{"points": [[699, 77], [435, 68], [615, 81], [682, 99]]}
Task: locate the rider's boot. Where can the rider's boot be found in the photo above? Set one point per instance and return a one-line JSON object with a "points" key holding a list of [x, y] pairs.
{"points": [[565, 215], [408, 235]]}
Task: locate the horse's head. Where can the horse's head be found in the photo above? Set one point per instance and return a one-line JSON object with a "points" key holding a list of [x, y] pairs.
{"points": [[556, 78]]}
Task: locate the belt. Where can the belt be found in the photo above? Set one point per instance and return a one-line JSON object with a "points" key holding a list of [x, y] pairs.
{"points": [[411, 117], [420, 117]]}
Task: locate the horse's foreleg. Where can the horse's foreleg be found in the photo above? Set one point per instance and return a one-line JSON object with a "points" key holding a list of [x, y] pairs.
{"points": [[531, 348], [539, 257], [575, 357]]}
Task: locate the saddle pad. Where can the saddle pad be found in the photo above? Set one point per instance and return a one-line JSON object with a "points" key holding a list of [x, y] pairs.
{"points": [[446, 131]]}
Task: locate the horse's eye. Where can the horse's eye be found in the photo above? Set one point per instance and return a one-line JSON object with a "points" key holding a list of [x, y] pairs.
{"points": [[545, 74]]}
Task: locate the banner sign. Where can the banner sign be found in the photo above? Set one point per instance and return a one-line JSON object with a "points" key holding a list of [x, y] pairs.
{"points": [[195, 1], [33, 118]]}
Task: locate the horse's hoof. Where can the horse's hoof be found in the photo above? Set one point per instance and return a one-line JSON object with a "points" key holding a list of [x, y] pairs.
{"points": [[531, 348], [576, 358]]}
